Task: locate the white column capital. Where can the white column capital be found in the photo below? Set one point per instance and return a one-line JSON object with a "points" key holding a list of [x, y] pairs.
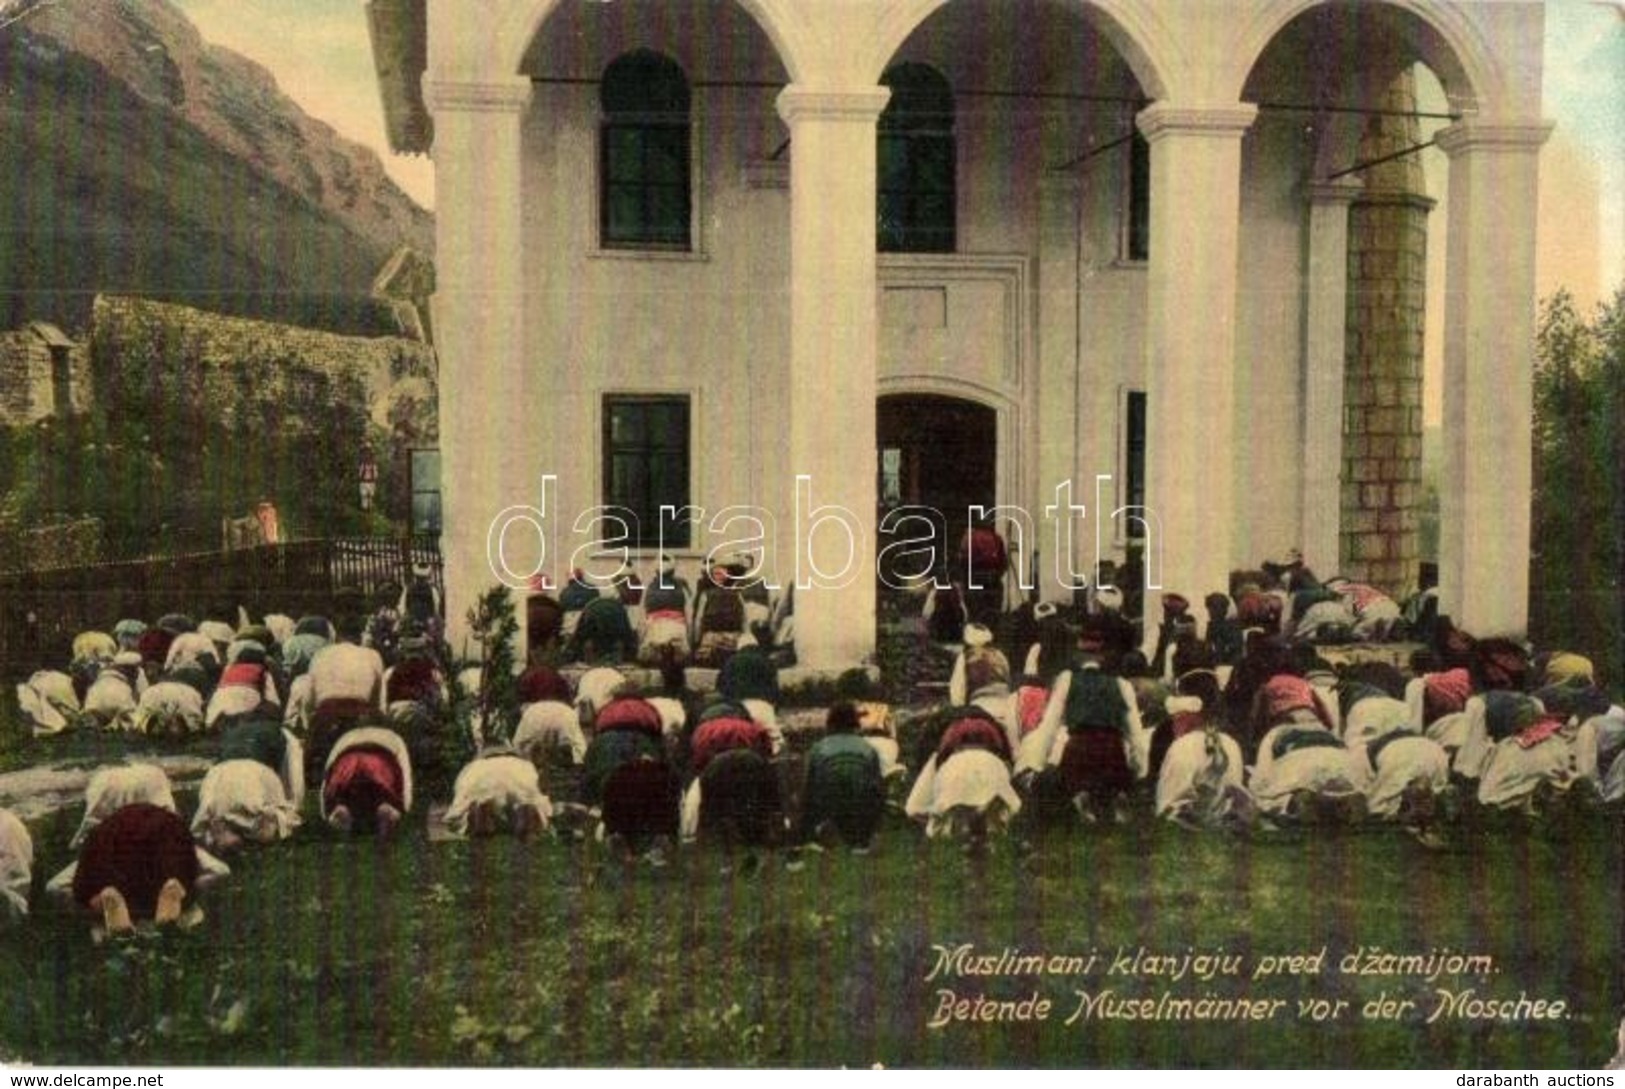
{"points": [[1162, 119], [1342, 191], [1472, 135], [468, 96], [858, 104]]}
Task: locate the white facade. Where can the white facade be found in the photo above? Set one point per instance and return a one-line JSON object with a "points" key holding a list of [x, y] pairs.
{"points": [[781, 325]]}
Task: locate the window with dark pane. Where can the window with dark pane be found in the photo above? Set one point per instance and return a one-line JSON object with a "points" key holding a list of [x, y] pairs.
{"points": [[646, 466], [915, 162], [1134, 449], [644, 194], [1139, 199], [426, 491]]}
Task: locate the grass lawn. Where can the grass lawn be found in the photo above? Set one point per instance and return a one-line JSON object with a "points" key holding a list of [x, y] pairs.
{"points": [[418, 953]]}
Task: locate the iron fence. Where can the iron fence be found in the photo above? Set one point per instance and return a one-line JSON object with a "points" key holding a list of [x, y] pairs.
{"points": [[42, 610]]}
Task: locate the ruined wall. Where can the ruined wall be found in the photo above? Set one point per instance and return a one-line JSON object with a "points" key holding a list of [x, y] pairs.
{"points": [[230, 367], [27, 386]]}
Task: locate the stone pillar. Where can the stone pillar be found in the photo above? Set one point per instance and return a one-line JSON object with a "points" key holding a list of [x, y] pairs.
{"points": [[1382, 392], [1321, 424], [479, 330], [833, 386], [1061, 547], [1489, 347], [1191, 489]]}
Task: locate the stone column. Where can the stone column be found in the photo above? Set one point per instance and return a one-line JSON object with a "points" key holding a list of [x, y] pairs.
{"points": [[832, 388], [1489, 346], [1382, 430], [1191, 489], [1321, 424], [1387, 303], [1061, 547], [479, 332]]}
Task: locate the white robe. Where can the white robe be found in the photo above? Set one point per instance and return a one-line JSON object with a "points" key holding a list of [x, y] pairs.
{"points": [[1473, 754], [49, 701], [673, 715], [1319, 769], [766, 716], [1326, 696], [888, 750], [111, 789], [190, 648], [297, 714], [508, 781], [218, 632], [16, 866], [971, 778], [345, 671], [239, 699], [280, 626], [598, 686], [1374, 717], [1511, 773], [1399, 763], [1449, 730], [168, 702], [659, 632], [1324, 612], [242, 793], [1186, 765], [112, 700], [1608, 738], [549, 725]]}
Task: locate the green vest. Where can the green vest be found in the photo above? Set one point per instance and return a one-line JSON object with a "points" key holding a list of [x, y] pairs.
{"points": [[1095, 702]]}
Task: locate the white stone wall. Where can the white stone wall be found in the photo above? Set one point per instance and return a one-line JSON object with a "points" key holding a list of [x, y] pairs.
{"points": [[714, 324], [1216, 326]]}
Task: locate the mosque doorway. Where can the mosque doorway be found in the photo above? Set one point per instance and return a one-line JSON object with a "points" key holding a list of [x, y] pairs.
{"points": [[938, 458]]}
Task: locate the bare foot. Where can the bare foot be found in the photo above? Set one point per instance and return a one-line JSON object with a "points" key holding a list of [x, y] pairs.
{"points": [[526, 822], [387, 818], [171, 898], [115, 912]]}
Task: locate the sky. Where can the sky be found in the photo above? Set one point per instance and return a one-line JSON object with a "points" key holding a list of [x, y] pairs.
{"points": [[321, 56], [319, 52]]}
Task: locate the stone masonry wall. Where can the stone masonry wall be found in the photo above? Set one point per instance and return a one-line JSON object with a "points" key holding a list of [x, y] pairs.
{"points": [[1382, 393], [27, 383], [236, 365]]}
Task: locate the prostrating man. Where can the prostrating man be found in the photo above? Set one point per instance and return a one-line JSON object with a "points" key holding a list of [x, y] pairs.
{"points": [[368, 782], [845, 792], [140, 863], [16, 867], [497, 791]]}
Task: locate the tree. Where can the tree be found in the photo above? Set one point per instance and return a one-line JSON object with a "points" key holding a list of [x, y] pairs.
{"points": [[1578, 559]]}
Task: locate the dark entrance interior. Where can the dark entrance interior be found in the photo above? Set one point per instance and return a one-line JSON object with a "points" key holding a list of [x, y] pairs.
{"points": [[936, 452]]}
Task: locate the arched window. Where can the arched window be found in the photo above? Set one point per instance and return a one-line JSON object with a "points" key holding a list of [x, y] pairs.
{"points": [[915, 163], [644, 154]]}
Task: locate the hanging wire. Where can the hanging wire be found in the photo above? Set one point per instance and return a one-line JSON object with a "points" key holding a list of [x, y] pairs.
{"points": [[1390, 157]]}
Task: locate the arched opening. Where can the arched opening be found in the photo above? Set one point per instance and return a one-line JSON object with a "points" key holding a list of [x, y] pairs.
{"points": [[1049, 190], [938, 459], [1350, 99]]}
